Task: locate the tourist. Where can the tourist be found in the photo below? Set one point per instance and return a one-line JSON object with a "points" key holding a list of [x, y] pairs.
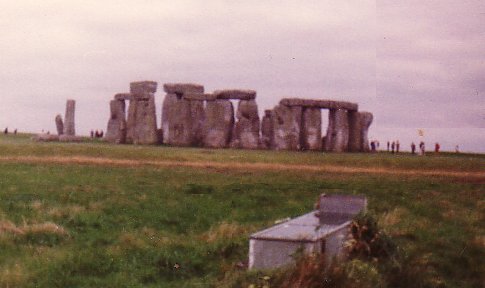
{"points": [[437, 148], [397, 146], [422, 148], [457, 149], [5, 131], [15, 131], [413, 148], [393, 146], [373, 146], [92, 134], [101, 134], [388, 144]]}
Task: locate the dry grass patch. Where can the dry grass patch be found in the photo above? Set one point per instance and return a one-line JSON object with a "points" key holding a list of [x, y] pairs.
{"points": [[13, 276], [225, 230], [8, 227]]}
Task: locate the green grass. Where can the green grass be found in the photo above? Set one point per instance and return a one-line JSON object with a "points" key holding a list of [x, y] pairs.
{"points": [[131, 227]]}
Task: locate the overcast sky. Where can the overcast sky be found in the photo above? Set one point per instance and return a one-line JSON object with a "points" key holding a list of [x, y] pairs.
{"points": [[413, 64]]}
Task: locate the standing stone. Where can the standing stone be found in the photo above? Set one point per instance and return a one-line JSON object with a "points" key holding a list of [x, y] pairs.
{"points": [[197, 114], [142, 121], [312, 129], [287, 127], [246, 132], [69, 123], [365, 121], [219, 123], [180, 123], [267, 130], [183, 119], [59, 125], [116, 132], [337, 138]]}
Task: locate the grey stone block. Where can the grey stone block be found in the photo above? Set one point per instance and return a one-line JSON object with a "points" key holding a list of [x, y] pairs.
{"points": [[219, 123], [59, 125], [69, 118], [287, 127], [182, 88], [235, 94], [116, 131], [312, 129], [322, 104]]}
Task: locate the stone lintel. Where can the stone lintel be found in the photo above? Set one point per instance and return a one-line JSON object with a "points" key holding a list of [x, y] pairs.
{"points": [[124, 96], [235, 94], [199, 96], [182, 88], [142, 87], [322, 104]]}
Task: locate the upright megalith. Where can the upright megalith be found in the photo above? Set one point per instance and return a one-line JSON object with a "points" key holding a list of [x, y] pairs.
{"points": [[219, 123], [337, 138], [365, 121], [287, 127], [59, 125], [142, 120], [182, 118], [69, 119], [311, 129], [267, 131], [116, 132], [246, 130]]}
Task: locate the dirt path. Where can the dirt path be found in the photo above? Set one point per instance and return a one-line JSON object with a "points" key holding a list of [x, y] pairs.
{"points": [[83, 160]]}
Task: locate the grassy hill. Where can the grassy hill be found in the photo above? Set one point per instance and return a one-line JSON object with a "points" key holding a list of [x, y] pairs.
{"points": [[97, 215]]}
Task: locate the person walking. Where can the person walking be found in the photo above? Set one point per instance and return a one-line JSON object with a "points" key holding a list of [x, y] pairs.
{"points": [[422, 148], [393, 146], [437, 148], [388, 144], [413, 148]]}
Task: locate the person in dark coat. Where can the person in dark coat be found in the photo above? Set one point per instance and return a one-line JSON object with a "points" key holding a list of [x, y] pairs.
{"points": [[413, 148]]}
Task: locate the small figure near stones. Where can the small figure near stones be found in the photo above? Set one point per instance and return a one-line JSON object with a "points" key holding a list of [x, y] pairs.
{"points": [[101, 134], [92, 134], [373, 146], [413, 148], [5, 131], [388, 145], [457, 149], [15, 131], [422, 148], [397, 146], [393, 146], [437, 148]]}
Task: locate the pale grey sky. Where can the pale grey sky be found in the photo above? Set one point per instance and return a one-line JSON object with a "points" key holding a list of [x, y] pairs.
{"points": [[414, 64]]}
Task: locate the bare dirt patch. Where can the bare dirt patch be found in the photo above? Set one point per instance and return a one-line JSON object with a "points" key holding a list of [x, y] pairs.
{"points": [[242, 166]]}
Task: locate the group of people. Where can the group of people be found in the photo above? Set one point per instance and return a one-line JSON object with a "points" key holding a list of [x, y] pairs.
{"points": [[394, 146], [97, 134], [6, 131]]}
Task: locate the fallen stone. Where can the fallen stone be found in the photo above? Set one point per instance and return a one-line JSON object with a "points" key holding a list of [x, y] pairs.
{"points": [[267, 130], [287, 127], [59, 125], [312, 129], [235, 94], [46, 138], [182, 88], [219, 123], [69, 121], [322, 104]]}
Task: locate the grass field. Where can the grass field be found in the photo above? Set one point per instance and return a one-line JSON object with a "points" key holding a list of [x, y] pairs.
{"points": [[97, 215]]}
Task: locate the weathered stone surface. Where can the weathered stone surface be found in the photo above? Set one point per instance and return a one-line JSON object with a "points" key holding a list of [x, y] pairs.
{"points": [[267, 130], [197, 129], [218, 124], [69, 120], [287, 127], [246, 130], [322, 104], [179, 122], [168, 102], [235, 94], [142, 122], [337, 209], [182, 88], [123, 96], [116, 132], [312, 129], [337, 138], [359, 123], [143, 87], [365, 121], [59, 125], [199, 96]]}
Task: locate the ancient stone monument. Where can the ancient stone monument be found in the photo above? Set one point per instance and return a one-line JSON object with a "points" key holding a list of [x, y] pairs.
{"points": [[59, 125], [69, 121], [191, 117]]}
